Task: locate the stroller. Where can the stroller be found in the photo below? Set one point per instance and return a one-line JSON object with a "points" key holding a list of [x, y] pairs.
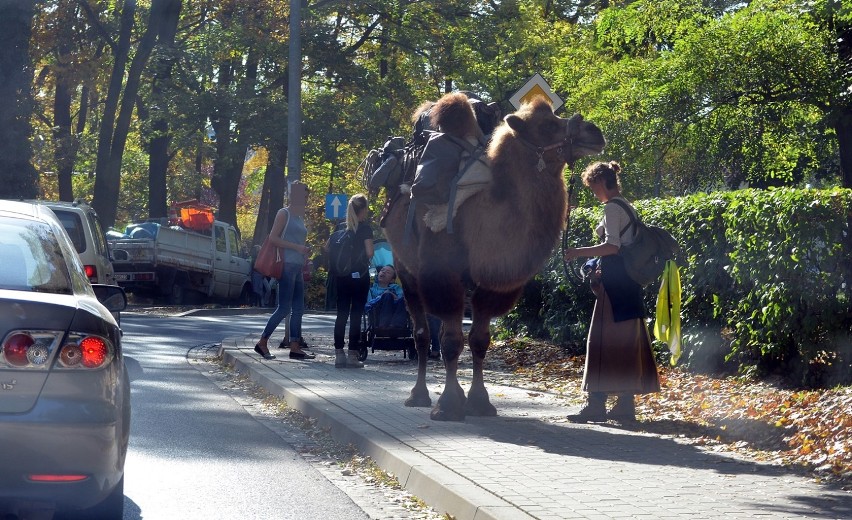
{"points": [[387, 324]]}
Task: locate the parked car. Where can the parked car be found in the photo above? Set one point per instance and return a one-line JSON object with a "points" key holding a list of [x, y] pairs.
{"points": [[64, 388], [86, 233]]}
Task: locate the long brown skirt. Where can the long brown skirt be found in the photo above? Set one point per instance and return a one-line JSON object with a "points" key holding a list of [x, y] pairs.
{"points": [[618, 355]]}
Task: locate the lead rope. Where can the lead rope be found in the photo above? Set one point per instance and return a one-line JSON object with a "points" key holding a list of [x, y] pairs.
{"points": [[570, 274]]}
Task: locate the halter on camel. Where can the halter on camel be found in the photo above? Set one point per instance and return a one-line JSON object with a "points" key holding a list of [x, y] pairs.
{"points": [[564, 150]]}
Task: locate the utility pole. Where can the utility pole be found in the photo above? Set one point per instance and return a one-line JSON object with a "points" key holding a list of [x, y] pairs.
{"points": [[294, 99]]}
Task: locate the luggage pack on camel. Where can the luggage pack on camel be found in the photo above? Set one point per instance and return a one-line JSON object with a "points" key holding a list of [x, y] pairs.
{"points": [[436, 167]]}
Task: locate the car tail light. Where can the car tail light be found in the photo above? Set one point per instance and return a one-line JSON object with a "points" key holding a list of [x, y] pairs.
{"points": [[56, 478], [95, 351], [28, 349], [36, 349], [91, 272], [15, 349], [84, 352]]}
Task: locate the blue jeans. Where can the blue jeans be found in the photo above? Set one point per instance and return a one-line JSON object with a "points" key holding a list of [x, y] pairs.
{"points": [[291, 300]]}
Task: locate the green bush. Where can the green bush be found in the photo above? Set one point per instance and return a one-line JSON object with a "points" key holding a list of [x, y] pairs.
{"points": [[766, 283]]}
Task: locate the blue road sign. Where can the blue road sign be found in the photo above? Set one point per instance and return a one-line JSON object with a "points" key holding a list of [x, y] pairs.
{"points": [[335, 205]]}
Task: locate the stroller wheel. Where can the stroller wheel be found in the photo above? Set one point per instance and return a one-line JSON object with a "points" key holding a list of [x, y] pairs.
{"points": [[362, 353]]}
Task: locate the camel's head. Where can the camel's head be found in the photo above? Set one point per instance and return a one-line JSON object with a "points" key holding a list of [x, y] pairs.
{"points": [[539, 128]]}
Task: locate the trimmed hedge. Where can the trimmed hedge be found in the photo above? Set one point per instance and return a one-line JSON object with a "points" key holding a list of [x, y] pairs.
{"points": [[766, 283]]}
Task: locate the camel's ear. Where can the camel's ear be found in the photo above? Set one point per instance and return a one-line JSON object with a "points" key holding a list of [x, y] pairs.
{"points": [[516, 123]]}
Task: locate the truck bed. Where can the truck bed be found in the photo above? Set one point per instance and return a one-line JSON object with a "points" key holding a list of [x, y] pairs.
{"points": [[177, 248]]}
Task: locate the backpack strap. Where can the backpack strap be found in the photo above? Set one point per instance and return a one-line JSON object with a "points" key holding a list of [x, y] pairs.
{"points": [[475, 155], [626, 208]]}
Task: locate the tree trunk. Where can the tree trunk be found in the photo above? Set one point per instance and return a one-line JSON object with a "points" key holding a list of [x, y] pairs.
{"points": [[158, 164], [231, 153], [18, 177], [64, 148], [65, 141], [843, 113], [103, 199], [272, 196], [112, 183], [843, 129]]}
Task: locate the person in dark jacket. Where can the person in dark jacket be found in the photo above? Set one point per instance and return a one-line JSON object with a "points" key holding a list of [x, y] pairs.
{"points": [[619, 359], [352, 288]]}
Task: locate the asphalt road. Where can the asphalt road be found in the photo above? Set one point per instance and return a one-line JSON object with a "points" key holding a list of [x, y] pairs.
{"points": [[194, 451]]}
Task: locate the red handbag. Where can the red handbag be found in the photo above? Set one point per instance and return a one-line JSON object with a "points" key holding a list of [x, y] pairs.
{"points": [[270, 261]]}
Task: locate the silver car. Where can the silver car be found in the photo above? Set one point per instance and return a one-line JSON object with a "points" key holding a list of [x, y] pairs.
{"points": [[64, 389]]}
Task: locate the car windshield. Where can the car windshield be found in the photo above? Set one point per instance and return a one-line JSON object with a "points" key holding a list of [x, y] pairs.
{"points": [[31, 258]]}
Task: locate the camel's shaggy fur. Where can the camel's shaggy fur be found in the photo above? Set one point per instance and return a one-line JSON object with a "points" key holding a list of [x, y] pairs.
{"points": [[503, 236]]}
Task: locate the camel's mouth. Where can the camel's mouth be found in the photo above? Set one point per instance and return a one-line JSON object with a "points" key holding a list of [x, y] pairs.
{"points": [[583, 138]]}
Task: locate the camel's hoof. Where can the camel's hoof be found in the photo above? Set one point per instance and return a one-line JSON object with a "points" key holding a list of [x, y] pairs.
{"points": [[440, 414], [481, 410], [478, 404], [418, 400]]}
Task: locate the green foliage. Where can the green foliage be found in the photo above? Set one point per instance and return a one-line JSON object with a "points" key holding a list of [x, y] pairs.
{"points": [[766, 282], [693, 96]]}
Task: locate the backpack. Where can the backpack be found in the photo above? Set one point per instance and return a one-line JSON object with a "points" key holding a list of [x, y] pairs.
{"points": [[383, 167], [341, 252], [645, 258], [444, 161]]}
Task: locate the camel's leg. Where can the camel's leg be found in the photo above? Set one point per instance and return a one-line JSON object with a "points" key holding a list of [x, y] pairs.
{"points": [[442, 294], [451, 404], [486, 304], [419, 396]]}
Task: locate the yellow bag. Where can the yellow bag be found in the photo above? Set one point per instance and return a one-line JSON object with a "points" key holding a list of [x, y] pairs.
{"points": [[667, 324]]}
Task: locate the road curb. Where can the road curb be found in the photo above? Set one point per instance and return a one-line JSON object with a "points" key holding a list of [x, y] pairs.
{"points": [[440, 487]]}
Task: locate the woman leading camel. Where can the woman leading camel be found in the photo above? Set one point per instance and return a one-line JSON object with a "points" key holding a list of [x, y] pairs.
{"points": [[619, 360], [289, 233]]}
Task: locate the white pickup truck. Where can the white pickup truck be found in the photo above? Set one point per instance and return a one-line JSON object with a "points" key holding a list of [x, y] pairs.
{"points": [[160, 260]]}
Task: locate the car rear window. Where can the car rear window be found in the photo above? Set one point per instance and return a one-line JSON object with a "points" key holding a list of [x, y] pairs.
{"points": [[73, 225], [31, 258]]}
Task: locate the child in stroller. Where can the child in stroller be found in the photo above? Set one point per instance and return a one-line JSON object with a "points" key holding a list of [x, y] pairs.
{"points": [[388, 324]]}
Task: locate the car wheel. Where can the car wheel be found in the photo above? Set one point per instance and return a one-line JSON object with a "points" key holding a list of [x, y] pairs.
{"points": [[177, 294], [111, 508], [246, 296]]}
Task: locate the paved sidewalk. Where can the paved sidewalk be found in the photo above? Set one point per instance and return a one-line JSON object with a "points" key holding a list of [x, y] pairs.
{"points": [[528, 462]]}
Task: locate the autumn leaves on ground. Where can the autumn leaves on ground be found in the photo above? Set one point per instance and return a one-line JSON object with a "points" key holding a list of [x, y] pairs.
{"points": [[807, 431]]}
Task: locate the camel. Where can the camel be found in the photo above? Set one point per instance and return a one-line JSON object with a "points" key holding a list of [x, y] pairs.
{"points": [[503, 236]]}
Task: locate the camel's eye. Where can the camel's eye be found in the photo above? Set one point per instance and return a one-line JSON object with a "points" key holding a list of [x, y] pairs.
{"points": [[550, 128]]}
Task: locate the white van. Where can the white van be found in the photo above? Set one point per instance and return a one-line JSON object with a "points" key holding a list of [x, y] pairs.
{"points": [[83, 227]]}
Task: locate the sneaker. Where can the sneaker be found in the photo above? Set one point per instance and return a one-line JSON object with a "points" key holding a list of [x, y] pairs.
{"points": [[339, 358], [352, 360]]}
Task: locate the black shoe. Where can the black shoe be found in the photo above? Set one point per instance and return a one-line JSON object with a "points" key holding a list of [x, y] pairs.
{"points": [[434, 355], [286, 344], [594, 411], [266, 355], [624, 409], [302, 355]]}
